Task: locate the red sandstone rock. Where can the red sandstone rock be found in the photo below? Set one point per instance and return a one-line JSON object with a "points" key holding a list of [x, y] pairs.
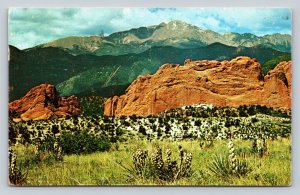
{"points": [[43, 102], [228, 83]]}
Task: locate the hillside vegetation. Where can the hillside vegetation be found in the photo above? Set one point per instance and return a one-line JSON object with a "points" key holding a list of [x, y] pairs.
{"points": [[106, 76]]}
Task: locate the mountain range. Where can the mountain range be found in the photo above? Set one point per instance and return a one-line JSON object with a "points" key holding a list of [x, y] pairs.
{"points": [[175, 33], [106, 65]]}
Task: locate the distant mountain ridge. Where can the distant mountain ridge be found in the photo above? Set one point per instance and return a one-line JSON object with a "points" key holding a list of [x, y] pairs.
{"points": [[175, 33]]}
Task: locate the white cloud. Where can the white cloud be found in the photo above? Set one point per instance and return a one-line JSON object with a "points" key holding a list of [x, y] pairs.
{"points": [[32, 26]]}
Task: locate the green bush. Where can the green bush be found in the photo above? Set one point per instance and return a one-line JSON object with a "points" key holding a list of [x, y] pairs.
{"points": [[271, 64], [82, 143], [220, 166], [92, 105]]}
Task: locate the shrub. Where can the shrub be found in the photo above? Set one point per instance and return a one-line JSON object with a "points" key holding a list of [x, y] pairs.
{"points": [[142, 130], [92, 105], [47, 144], [82, 142]]}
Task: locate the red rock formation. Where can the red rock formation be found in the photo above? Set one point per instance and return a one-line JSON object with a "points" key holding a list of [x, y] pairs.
{"points": [[43, 102], [228, 83]]}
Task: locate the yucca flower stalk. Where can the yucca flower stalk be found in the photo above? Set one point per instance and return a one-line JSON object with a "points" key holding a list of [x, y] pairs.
{"points": [[254, 145], [232, 157], [187, 163], [171, 166], [16, 176], [260, 147], [58, 151], [12, 162], [36, 151], [265, 146], [168, 159], [139, 158], [157, 159], [181, 156]]}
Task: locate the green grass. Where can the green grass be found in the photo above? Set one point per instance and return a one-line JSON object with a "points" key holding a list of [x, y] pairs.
{"points": [[102, 168]]}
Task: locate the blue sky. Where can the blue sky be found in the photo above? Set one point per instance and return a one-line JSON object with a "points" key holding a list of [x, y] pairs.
{"points": [[32, 26]]}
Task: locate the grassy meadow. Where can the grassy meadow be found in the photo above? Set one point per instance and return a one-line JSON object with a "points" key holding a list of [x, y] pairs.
{"points": [[103, 168], [247, 146]]}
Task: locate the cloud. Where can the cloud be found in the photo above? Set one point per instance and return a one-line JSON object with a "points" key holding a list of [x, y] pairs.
{"points": [[31, 26]]}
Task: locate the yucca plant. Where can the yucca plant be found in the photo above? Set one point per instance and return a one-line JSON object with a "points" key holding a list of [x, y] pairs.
{"points": [[260, 146], [16, 175], [242, 168], [157, 167], [220, 166], [226, 166], [58, 151], [37, 152]]}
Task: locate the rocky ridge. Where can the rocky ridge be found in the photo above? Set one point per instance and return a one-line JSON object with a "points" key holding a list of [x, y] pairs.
{"points": [[43, 102], [227, 83]]}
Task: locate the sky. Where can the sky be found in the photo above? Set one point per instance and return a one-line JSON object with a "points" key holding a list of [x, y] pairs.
{"points": [[28, 27]]}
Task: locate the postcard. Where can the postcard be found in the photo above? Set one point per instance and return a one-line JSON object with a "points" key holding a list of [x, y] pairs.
{"points": [[150, 96]]}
